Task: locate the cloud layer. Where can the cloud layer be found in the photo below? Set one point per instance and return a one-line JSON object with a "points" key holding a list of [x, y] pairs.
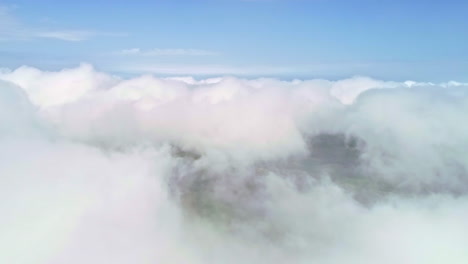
{"points": [[99, 169]]}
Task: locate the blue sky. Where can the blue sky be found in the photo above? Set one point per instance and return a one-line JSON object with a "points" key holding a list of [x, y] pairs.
{"points": [[387, 39]]}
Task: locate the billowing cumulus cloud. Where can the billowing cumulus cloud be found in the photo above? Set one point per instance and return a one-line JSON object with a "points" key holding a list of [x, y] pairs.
{"points": [[95, 168]]}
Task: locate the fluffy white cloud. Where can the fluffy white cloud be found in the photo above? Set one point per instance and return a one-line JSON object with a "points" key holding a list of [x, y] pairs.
{"points": [[95, 168], [53, 88]]}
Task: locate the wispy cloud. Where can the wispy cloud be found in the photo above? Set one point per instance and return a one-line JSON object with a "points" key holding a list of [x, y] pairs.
{"points": [[222, 68], [11, 28], [75, 35], [202, 69], [67, 35], [167, 52]]}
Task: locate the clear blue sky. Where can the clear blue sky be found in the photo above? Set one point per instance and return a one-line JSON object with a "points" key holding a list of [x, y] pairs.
{"points": [[388, 39]]}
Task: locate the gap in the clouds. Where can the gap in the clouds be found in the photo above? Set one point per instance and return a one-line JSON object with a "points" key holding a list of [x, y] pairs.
{"points": [[237, 195]]}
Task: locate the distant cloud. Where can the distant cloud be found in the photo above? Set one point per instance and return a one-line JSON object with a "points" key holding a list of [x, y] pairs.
{"points": [[167, 52], [67, 35], [216, 69], [74, 35], [13, 29], [202, 69]]}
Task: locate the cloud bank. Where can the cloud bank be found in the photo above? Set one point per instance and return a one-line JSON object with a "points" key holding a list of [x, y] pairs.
{"points": [[99, 169]]}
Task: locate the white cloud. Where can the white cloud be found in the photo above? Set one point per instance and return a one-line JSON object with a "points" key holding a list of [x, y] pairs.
{"points": [[67, 35], [136, 65], [13, 29], [204, 69], [51, 88], [229, 170]]}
